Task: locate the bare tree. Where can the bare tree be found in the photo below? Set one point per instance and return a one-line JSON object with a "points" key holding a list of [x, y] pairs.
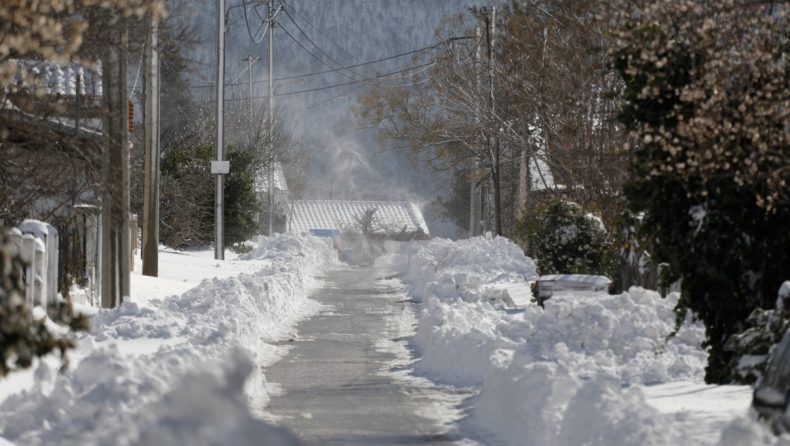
{"points": [[526, 82]]}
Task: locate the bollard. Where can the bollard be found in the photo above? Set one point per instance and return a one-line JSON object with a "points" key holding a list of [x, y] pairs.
{"points": [[16, 240], [28, 256]]}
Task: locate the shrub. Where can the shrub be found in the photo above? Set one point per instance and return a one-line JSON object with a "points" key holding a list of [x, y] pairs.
{"points": [[187, 198], [564, 239]]}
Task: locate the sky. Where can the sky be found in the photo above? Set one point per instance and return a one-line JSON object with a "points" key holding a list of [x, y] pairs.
{"points": [[311, 42]]}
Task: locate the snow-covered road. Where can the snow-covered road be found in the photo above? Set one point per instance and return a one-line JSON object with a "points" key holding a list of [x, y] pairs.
{"points": [[343, 381]]}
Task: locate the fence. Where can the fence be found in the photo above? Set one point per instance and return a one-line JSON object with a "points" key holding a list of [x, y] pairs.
{"points": [[71, 249], [37, 243]]}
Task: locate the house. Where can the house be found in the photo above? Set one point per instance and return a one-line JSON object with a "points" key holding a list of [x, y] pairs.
{"points": [[388, 218], [281, 208], [52, 163]]}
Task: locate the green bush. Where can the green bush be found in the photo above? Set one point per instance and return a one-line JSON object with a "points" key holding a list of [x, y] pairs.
{"points": [[187, 198], [563, 239]]}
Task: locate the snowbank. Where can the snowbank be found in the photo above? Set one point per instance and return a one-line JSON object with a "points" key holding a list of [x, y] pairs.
{"points": [[175, 370], [555, 375]]}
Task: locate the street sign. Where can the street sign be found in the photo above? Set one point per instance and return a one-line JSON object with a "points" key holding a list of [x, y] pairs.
{"points": [[220, 167]]}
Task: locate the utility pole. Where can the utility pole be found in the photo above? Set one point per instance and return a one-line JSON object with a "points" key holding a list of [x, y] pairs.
{"points": [[251, 60], [219, 167], [496, 177], [150, 248], [271, 114], [116, 241], [475, 198]]}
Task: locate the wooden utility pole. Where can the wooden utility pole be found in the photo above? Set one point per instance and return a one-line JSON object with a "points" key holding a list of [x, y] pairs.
{"points": [[271, 115], [151, 186], [493, 147], [116, 241]]}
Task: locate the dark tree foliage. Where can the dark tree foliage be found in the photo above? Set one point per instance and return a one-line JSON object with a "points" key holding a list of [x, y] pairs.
{"points": [[241, 204], [706, 99], [23, 338]]}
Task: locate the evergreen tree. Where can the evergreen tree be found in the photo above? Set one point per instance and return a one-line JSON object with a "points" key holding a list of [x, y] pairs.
{"points": [[241, 203]]}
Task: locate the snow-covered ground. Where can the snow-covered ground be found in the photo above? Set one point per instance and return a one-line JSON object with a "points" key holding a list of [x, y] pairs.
{"points": [[180, 362], [590, 368]]}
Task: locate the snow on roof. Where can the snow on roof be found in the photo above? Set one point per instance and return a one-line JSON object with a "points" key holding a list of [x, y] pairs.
{"points": [[335, 214], [280, 185]]}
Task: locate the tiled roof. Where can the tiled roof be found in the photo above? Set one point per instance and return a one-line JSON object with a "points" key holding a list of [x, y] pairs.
{"points": [[335, 214]]}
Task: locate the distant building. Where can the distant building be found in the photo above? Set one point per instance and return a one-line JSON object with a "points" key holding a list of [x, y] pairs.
{"points": [[281, 208], [334, 215]]}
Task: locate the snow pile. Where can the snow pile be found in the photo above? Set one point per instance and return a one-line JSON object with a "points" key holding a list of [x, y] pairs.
{"points": [[177, 370], [446, 270], [623, 336], [555, 376]]}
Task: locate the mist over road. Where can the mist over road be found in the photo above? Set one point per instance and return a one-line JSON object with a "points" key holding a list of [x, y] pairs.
{"points": [[346, 380]]}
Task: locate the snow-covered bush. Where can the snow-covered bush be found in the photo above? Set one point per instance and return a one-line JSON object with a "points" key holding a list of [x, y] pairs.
{"points": [[753, 347], [563, 239]]}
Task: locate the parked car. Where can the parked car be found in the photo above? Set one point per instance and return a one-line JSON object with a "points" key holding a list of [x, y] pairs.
{"points": [[546, 286], [770, 399]]}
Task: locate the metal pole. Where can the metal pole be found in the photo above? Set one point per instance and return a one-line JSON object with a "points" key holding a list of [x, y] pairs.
{"points": [[219, 242], [271, 114]]}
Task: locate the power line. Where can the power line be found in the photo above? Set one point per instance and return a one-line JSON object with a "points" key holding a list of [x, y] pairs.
{"points": [[318, 48], [335, 69], [318, 30], [353, 78], [345, 84], [312, 106], [249, 31]]}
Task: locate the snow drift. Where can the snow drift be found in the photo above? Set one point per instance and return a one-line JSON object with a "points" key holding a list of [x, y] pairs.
{"points": [[178, 370], [555, 375]]}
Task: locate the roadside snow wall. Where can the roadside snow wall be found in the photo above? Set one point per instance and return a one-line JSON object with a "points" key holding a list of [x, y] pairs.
{"points": [[195, 388], [550, 376]]}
